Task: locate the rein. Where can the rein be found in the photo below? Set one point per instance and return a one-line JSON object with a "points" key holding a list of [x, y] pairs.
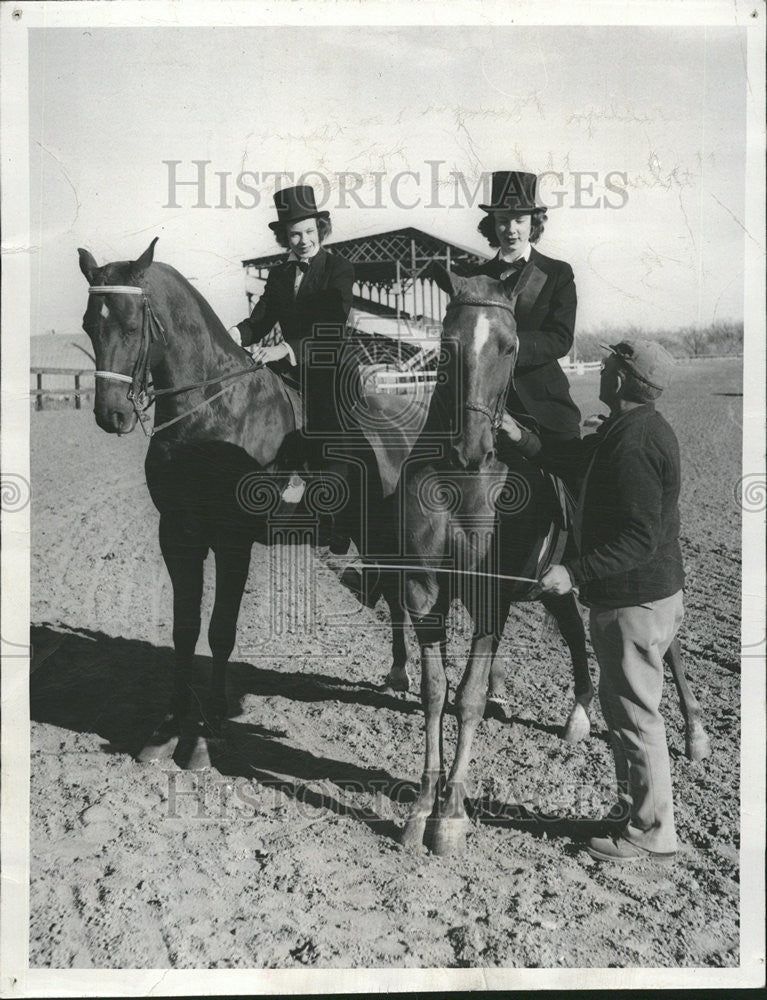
{"points": [[140, 394], [495, 416]]}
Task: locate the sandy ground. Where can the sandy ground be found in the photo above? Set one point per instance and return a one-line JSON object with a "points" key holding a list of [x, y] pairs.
{"points": [[285, 855]]}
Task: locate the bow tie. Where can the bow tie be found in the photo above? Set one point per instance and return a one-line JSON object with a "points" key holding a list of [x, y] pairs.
{"points": [[302, 265], [512, 265], [510, 269]]}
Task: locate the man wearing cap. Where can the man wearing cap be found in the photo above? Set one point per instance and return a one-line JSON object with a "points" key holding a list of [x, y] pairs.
{"points": [[545, 308], [629, 572], [310, 296]]}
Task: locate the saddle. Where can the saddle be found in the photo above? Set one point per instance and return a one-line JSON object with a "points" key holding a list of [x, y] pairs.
{"points": [[293, 393], [392, 423]]}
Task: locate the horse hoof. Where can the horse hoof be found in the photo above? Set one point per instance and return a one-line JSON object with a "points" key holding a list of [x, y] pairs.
{"points": [[578, 726], [214, 721], [412, 836], [498, 708], [447, 836], [192, 754], [397, 679], [158, 748], [697, 745]]}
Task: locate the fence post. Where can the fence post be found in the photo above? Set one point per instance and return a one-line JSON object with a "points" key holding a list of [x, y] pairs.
{"points": [[77, 392], [39, 398]]}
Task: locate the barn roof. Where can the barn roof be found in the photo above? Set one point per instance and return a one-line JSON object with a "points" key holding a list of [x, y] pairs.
{"points": [[376, 255], [60, 350]]}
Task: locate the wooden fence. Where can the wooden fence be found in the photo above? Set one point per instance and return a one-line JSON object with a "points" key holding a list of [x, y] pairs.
{"points": [[78, 392], [386, 379], [379, 378]]}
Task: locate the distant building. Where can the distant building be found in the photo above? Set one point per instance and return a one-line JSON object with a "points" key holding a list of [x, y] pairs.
{"points": [[394, 297]]}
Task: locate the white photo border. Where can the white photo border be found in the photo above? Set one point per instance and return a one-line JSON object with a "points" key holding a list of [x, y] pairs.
{"points": [[17, 979]]}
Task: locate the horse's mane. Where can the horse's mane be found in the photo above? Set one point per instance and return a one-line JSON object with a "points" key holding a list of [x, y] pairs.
{"points": [[121, 272], [210, 317]]}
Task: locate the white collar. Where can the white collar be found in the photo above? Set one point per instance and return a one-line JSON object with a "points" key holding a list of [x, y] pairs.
{"points": [[294, 256], [525, 255]]}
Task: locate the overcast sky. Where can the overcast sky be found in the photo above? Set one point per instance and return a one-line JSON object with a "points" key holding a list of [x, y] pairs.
{"points": [[663, 106]]}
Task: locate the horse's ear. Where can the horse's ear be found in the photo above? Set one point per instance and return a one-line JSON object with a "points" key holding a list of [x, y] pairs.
{"points": [[139, 266], [88, 264], [519, 287], [448, 281]]}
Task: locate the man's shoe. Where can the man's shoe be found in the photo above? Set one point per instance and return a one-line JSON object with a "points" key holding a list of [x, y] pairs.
{"points": [[618, 815], [621, 850]]}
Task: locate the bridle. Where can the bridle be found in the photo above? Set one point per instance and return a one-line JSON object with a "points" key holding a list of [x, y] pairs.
{"points": [[495, 414], [141, 394], [151, 331]]}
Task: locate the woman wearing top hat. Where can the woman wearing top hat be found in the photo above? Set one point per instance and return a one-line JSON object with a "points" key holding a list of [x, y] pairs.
{"points": [[545, 309], [309, 295]]}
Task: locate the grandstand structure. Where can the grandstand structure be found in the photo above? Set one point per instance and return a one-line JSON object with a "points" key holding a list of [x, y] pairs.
{"points": [[395, 298], [396, 316]]}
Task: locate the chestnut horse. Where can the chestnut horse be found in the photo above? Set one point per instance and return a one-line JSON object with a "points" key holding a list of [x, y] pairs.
{"points": [[474, 525], [220, 423]]}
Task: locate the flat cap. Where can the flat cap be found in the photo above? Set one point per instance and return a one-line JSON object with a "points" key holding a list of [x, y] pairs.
{"points": [[648, 360]]}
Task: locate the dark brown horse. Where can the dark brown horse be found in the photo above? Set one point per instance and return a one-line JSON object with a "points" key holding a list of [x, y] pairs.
{"points": [[475, 526], [215, 465]]}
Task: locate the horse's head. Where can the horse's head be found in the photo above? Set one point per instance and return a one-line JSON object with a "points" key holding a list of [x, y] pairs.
{"points": [[114, 321], [479, 341]]}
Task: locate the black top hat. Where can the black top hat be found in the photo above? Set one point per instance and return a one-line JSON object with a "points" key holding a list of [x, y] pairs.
{"points": [[514, 191], [294, 204]]}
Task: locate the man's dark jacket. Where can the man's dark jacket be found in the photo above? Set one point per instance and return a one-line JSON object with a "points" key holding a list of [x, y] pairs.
{"points": [[324, 300], [545, 315], [629, 547]]}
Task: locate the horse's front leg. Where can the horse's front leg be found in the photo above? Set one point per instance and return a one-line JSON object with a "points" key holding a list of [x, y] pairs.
{"points": [[568, 618], [432, 639], [184, 554], [449, 833], [232, 565], [697, 743]]}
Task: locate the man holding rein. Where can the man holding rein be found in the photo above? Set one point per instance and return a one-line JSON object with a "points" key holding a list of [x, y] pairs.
{"points": [[629, 572]]}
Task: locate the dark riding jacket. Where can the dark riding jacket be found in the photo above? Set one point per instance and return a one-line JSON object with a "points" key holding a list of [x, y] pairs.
{"points": [[629, 477], [545, 315], [318, 311]]}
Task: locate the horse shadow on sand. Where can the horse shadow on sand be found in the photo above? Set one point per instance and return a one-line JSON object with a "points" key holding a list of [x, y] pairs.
{"points": [[118, 688]]}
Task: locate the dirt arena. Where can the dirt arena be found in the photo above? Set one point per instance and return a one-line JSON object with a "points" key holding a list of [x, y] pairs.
{"points": [[286, 855]]}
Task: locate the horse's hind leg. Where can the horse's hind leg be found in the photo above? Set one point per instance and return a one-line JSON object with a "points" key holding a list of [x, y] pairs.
{"points": [[497, 706], [398, 678], [697, 743], [184, 554], [232, 564], [565, 611]]}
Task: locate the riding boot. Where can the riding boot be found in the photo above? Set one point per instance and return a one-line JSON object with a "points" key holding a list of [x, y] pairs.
{"points": [[340, 532]]}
